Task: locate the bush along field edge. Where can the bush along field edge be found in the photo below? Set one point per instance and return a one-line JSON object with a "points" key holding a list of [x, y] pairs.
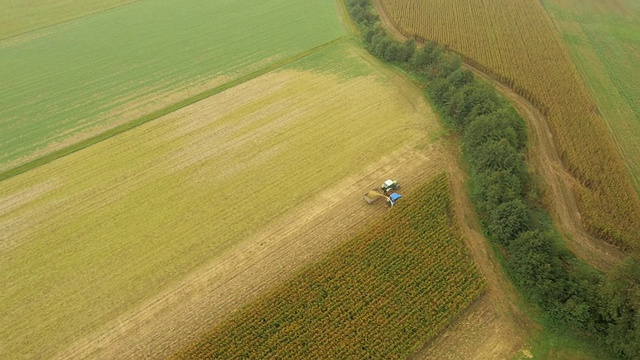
{"points": [[540, 70], [493, 137], [381, 295]]}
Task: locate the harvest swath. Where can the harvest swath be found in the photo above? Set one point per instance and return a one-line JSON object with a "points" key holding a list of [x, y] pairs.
{"points": [[92, 235], [517, 42], [65, 83], [381, 295], [604, 39]]}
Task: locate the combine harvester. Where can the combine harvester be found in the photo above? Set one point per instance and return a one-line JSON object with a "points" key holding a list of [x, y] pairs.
{"points": [[387, 191]]}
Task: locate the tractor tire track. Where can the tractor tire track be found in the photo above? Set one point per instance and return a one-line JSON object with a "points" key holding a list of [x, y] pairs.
{"points": [[545, 162]]}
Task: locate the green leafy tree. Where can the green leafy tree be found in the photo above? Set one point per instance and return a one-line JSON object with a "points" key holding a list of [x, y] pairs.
{"points": [[536, 267], [497, 155], [508, 220], [492, 188], [393, 52], [501, 124], [423, 59], [409, 50], [622, 308], [447, 64], [471, 101]]}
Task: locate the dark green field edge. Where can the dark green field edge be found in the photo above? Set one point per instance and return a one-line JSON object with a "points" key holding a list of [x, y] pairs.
{"points": [[68, 20], [347, 21], [57, 154]]}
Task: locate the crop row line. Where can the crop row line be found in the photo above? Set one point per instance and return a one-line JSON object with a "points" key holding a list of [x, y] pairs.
{"points": [[391, 288]]}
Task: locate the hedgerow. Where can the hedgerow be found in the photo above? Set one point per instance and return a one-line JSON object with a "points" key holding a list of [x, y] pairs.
{"points": [[606, 306], [516, 41]]}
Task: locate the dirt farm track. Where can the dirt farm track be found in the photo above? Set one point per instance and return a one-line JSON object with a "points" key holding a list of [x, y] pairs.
{"points": [[150, 237], [504, 325]]}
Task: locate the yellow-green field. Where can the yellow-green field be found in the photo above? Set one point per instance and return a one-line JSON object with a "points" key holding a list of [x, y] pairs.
{"points": [[604, 39], [68, 83], [19, 16], [92, 235]]}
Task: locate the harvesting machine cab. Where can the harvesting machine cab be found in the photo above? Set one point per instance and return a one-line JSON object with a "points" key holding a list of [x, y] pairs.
{"points": [[389, 186], [386, 191], [393, 199]]}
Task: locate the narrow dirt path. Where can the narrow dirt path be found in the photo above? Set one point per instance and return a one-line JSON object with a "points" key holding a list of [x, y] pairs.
{"points": [[545, 163], [387, 23], [495, 318]]}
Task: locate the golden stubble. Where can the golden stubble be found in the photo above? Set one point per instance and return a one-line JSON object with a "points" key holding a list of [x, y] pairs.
{"points": [[134, 213]]}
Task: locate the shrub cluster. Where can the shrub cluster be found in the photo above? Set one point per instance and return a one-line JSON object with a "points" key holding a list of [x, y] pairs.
{"points": [[493, 142], [537, 66]]}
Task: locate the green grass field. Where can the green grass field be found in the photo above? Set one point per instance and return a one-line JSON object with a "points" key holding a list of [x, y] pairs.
{"points": [[19, 16], [604, 39], [67, 82], [91, 235]]}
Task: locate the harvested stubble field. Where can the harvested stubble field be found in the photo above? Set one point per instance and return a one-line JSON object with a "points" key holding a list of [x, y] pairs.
{"points": [[381, 295], [95, 243], [65, 83], [604, 39], [517, 42]]}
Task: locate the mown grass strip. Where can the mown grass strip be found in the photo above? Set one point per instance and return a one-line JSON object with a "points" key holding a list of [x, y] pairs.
{"points": [[346, 18], [159, 113]]}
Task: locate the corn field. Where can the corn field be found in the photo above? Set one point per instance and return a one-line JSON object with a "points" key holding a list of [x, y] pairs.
{"points": [[381, 295], [516, 41]]}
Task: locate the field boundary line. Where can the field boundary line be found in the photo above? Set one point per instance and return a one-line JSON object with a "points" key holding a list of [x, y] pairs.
{"points": [[57, 154], [346, 20], [10, 37]]}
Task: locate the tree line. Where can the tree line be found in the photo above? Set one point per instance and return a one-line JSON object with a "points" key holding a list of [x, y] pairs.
{"points": [[493, 137]]}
